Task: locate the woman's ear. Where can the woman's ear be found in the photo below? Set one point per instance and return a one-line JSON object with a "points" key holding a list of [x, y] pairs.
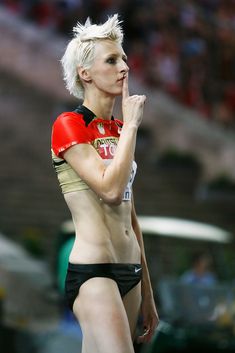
{"points": [[84, 74]]}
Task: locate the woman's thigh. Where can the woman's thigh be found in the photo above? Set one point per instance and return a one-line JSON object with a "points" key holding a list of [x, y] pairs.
{"points": [[102, 317], [132, 303]]}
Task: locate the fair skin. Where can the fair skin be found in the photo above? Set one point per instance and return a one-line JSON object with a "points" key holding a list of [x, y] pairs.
{"points": [[107, 228]]}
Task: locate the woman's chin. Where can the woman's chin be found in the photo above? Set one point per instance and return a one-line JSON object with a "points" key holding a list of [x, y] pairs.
{"points": [[118, 91], [115, 93]]}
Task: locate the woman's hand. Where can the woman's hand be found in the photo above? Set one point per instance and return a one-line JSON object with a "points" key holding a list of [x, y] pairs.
{"points": [[150, 319], [132, 106]]}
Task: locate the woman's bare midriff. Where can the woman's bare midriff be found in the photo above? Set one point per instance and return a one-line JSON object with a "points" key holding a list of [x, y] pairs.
{"points": [[103, 232]]}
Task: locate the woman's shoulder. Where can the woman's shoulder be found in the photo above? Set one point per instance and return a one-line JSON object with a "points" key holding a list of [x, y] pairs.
{"points": [[67, 116]]}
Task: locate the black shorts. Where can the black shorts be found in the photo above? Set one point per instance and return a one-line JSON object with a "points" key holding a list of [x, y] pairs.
{"points": [[126, 276]]}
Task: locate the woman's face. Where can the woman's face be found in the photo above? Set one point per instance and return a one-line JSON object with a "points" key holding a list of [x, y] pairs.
{"points": [[109, 67]]}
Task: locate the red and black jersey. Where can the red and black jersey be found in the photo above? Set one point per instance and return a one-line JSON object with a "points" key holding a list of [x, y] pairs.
{"points": [[82, 126]]}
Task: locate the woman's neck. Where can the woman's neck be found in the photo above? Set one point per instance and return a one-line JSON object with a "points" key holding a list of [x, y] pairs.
{"points": [[102, 108]]}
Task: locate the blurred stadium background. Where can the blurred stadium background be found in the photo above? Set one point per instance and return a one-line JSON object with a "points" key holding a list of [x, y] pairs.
{"points": [[182, 56]]}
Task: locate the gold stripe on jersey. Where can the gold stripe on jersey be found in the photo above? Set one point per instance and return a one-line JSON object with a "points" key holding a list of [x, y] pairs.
{"points": [[104, 140], [69, 180]]}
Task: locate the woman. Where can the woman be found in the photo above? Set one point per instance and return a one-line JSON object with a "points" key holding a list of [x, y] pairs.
{"points": [[93, 155]]}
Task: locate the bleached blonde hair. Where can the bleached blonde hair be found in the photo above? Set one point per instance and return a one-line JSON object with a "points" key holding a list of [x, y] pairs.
{"points": [[80, 50]]}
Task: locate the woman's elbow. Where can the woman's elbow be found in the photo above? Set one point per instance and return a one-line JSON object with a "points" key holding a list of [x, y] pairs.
{"points": [[113, 198]]}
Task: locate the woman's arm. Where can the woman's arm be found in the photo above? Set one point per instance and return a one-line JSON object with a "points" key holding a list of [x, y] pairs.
{"points": [[109, 182], [149, 311]]}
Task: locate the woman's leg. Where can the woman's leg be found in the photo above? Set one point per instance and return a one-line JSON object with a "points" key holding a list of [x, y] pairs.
{"points": [[103, 318], [132, 303]]}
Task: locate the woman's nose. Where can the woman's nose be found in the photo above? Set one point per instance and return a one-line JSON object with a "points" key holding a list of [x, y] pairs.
{"points": [[124, 67]]}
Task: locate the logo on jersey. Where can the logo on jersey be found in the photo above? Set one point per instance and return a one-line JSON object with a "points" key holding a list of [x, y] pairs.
{"points": [[107, 151], [106, 146], [101, 129]]}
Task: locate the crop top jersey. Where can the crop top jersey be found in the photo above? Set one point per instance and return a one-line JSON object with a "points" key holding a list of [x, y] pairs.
{"points": [[82, 126]]}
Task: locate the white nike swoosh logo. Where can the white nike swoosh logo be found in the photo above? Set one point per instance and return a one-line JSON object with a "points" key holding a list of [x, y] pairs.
{"points": [[137, 270]]}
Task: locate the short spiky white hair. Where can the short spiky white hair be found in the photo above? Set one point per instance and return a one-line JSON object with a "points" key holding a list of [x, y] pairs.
{"points": [[80, 50]]}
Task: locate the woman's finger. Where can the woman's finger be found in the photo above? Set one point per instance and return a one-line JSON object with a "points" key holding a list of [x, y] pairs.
{"points": [[125, 88]]}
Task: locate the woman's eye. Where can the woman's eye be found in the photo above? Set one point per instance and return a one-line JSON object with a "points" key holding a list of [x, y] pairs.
{"points": [[111, 61]]}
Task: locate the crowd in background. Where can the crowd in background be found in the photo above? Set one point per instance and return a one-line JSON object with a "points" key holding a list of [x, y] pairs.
{"points": [[184, 47]]}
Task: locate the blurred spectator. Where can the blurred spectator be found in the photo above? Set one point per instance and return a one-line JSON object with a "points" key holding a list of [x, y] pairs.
{"points": [[200, 271], [165, 61], [188, 15], [137, 58], [223, 113]]}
